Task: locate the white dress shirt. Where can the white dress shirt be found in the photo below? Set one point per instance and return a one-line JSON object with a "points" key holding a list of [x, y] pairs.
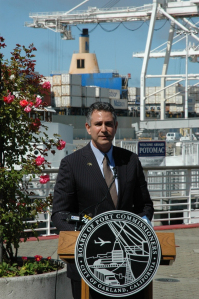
{"points": [[100, 157]]}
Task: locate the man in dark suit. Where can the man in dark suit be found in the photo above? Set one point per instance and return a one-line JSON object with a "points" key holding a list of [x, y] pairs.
{"points": [[81, 184]]}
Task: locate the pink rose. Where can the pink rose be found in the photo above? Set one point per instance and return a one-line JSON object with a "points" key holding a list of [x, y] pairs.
{"points": [[44, 179], [61, 145], [46, 85], [38, 102], [39, 160], [9, 99], [27, 109], [23, 103]]}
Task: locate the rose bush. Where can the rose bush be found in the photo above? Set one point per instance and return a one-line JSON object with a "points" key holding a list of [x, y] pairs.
{"points": [[21, 92]]}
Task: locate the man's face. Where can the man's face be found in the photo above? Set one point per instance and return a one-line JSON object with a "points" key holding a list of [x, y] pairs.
{"points": [[102, 130]]}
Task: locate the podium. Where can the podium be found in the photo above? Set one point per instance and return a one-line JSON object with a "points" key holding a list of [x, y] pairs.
{"points": [[66, 249]]}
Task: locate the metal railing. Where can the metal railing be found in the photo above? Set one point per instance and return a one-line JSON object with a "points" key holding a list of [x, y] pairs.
{"points": [[174, 191]]}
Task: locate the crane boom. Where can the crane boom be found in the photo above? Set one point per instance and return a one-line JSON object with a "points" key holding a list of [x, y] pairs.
{"points": [[61, 21]]}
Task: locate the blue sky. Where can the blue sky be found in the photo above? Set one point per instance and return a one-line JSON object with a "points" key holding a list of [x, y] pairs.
{"points": [[113, 50]]}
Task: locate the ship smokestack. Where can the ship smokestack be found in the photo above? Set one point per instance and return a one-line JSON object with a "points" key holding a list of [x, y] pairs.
{"points": [[84, 62], [84, 41]]}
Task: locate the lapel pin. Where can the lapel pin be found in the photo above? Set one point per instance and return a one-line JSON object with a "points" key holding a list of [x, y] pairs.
{"points": [[89, 164]]}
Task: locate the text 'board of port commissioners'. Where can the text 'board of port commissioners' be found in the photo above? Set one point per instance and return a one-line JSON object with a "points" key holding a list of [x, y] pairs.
{"points": [[117, 253]]}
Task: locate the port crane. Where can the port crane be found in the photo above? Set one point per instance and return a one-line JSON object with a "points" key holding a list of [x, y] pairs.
{"points": [[128, 247], [62, 22]]}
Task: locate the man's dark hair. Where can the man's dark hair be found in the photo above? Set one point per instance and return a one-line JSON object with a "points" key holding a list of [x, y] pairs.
{"points": [[100, 106]]}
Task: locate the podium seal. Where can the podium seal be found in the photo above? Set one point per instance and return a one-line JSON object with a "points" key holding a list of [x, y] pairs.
{"points": [[117, 253]]}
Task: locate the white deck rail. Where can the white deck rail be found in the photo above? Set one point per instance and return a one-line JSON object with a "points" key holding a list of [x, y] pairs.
{"points": [[174, 191]]}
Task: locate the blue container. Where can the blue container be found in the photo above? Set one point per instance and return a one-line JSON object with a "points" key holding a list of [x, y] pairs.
{"points": [[104, 80]]}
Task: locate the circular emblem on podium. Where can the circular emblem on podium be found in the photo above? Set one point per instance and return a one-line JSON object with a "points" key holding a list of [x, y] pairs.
{"points": [[117, 253]]}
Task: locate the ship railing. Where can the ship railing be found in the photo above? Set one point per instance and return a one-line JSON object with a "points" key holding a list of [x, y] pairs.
{"points": [[174, 191]]}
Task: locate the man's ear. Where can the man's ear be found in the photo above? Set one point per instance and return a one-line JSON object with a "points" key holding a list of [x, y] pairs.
{"points": [[88, 128]]}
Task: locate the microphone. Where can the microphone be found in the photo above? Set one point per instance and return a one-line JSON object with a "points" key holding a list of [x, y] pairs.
{"points": [[115, 172], [77, 218]]}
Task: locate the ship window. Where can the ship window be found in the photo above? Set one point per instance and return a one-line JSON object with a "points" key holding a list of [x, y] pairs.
{"points": [[80, 63]]}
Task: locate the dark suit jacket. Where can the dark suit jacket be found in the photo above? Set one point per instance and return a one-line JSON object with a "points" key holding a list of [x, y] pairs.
{"points": [[81, 186]]}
